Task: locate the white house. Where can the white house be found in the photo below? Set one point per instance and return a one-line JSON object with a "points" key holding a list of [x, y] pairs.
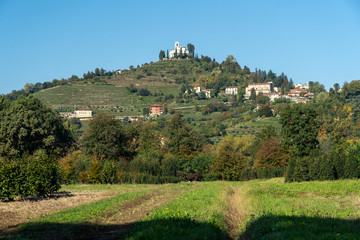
{"points": [[232, 90], [118, 71], [197, 89], [83, 113], [302, 86], [207, 92], [273, 95], [265, 88], [178, 49]]}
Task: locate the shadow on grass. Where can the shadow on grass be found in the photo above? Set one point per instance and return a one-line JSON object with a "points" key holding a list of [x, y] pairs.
{"points": [[283, 227], [152, 229], [57, 195]]}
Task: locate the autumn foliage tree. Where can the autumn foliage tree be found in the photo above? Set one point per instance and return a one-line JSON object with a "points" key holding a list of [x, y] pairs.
{"points": [[230, 158], [271, 154]]}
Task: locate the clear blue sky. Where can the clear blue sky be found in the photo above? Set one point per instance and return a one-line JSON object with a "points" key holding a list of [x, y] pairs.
{"points": [[307, 40]]}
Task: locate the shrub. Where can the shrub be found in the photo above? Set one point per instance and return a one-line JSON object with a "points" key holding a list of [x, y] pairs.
{"points": [[109, 172], [144, 92], [30, 176], [94, 173]]}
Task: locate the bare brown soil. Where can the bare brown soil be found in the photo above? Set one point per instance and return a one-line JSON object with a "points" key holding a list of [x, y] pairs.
{"points": [[16, 212]]}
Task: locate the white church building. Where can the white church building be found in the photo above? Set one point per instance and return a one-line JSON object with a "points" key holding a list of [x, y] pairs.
{"points": [[178, 49]]}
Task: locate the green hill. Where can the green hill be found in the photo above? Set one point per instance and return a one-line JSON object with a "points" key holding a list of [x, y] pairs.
{"points": [[108, 93]]}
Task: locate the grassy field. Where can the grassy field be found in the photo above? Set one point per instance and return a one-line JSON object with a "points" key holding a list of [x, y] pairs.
{"points": [[259, 209]]}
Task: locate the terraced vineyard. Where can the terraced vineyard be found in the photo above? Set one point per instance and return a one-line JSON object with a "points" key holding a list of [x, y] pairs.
{"points": [[114, 99]]}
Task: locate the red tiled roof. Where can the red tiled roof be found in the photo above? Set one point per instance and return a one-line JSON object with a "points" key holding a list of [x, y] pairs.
{"points": [[156, 105], [259, 83], [83, 109], [297, 90]]}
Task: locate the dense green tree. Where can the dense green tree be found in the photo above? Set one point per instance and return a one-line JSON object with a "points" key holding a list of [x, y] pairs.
{"points": [[161, 55], [104, 137], [264, 111], [246, 70], [267, 133], [97, 71], [252, 94], [27, 126], [191, 49], [299, 129], [316, 87], [181, 139], [202, 96]]}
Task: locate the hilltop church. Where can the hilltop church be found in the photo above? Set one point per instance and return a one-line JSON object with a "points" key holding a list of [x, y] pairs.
{"points": [[178, 49]]}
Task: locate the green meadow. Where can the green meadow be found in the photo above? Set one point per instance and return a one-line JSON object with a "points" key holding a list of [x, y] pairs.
{"points": [[258, 209]]}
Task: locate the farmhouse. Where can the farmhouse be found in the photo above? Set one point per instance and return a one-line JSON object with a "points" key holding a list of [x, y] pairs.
{"points": [[232, 90], [303, 86], [197, 89], [272, 96], [83, 113], [207, 92], [265, 88], [297, 92], [178, 50], [156, 109]]}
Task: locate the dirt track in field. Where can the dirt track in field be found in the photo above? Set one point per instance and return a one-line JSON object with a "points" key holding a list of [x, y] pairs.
{"points": [[112, 224], [130, 212], [16, 212]]}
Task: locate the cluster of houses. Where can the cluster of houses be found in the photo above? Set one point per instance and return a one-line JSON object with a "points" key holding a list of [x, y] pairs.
{"points": [[232, 90], [298, 94]]}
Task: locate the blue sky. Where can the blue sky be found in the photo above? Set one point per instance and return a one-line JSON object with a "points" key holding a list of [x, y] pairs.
{"points": [[307, 40]]}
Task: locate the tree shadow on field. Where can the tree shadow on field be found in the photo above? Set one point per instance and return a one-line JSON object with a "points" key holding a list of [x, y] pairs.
{"points": [[165, 229], [284, 227], [57, 195]]}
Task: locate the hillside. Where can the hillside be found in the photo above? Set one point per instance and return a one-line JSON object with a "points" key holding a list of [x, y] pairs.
{"points": [[107, 91]]}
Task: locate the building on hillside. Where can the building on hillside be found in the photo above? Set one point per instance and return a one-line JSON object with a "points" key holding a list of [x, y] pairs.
{"points": [[301, 100], [119, 71], [156, 109], [83, 113], [178, 50], [310, 95], [197, 89], [67, 114], [265, 88], [232, 90], [207, 92], [272, 96], [302, 86], [297, 92]]}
